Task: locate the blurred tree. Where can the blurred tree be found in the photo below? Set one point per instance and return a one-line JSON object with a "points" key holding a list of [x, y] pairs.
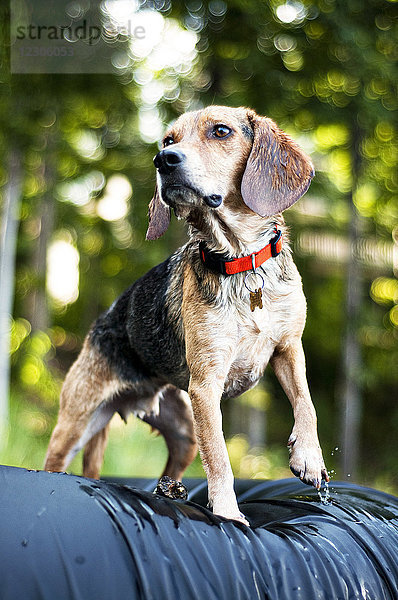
{"points": [[8, 245], [325, 71]]}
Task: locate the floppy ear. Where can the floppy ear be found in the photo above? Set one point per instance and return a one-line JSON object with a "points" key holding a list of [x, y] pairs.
{"points": [[277, 172], [159, 217]]}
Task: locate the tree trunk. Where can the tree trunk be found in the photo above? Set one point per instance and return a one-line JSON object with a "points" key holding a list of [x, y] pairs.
{"points": [[351, 396], [8, 246], [38, 306]]}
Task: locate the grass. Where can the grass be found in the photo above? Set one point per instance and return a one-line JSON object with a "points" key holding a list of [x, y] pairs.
{"points": [[135, 451]]}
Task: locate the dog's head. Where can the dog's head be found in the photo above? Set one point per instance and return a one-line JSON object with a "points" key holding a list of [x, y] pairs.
{"points": [[219, 153]]}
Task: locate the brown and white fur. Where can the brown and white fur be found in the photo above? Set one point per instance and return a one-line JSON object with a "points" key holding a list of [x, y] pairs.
{"points": [[183, 337]]}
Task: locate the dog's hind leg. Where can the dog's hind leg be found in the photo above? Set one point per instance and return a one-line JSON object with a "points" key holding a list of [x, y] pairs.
{"points": [[86, 407], [76, 428], [175, 423], [94, 453]]}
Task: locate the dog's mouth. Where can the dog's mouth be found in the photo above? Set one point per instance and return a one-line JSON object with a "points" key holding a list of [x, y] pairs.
{"points": [[182, 198]]}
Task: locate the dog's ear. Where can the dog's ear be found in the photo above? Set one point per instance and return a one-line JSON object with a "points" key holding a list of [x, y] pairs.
{"points": [[159, 217], [277, 172]]}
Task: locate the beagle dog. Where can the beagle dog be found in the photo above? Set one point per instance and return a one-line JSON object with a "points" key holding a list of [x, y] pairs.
{"points": [[204, 324]]}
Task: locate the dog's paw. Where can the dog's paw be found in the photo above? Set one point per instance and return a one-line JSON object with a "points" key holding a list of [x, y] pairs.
{"points": [[230, 512], [240, 517], [306, 462], [170, 488]]}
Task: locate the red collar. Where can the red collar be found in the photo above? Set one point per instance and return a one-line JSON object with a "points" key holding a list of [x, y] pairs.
{"points": [[217, 262]]}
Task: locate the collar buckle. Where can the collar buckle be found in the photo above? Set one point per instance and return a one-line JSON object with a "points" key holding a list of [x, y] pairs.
{"points": [[276, 244], [253, 257]]}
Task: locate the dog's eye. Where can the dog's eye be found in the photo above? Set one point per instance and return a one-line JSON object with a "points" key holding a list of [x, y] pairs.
{"points": [[168, 141], [221, 131]]}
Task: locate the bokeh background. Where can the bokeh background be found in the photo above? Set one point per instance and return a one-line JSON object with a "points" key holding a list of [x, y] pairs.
{"points": [[76, 176]]}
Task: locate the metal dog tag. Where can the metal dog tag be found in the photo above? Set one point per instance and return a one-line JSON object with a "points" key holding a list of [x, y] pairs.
{"points": [[256, 294], [256, 299]]}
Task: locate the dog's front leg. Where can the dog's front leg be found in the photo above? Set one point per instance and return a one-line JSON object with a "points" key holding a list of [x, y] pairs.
{"points": [[205, 397], [306, 460], [210, 343]]}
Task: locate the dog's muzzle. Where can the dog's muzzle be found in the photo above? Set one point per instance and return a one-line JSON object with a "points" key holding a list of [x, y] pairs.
{"points": [[167, 160]]}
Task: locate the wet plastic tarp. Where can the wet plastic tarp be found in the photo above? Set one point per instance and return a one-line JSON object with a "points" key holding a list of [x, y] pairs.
{"points": [[64, 537]]}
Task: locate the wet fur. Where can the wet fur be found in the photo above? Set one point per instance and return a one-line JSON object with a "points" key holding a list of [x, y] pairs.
{"points": [[182, 337]]}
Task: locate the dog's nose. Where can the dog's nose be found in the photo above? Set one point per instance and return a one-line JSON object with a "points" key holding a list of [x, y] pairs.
{"points": [[213, 201], [168, 159]]}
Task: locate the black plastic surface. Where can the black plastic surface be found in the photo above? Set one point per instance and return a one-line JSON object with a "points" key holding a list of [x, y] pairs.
{"points": [[64, 537]]}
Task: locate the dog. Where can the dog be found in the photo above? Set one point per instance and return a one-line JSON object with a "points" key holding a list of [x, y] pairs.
{"points": [[204, 324]]}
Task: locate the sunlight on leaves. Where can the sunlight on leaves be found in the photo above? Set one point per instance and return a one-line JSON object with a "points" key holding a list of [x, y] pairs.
{"points": [[113, 205], [63, 272]]}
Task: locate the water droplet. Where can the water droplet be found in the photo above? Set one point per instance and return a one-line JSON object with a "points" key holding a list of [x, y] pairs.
{"points": [[326, 498], [24, 542]]}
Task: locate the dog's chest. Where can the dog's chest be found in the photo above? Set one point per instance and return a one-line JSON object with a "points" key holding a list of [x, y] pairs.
{"points": [[255, 330], [258, 333], [253, 349]]}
